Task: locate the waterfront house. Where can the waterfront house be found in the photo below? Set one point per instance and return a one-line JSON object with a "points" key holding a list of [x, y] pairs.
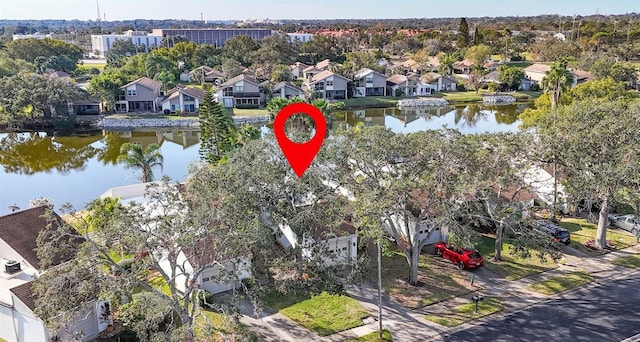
{"points": [[310, 71], [537, 71], [369, 83], [411, 85], [186, 100], [329, 85], [439, 82], [242, 91], [141, 95], [287, 90], [206, 74]]}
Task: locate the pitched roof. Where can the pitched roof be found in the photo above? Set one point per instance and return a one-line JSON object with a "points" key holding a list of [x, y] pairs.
{"points": [[214, 73], [281, 85], [191, 91], [145, 82], [25, 294], [582, 75], [311, 68], [241, 77], [20, 230], [298, 64], [322, 75], [205, 67], [323, 64], [538, 67], [364, 72], [397, 79], [59, 74], [465, 63]]}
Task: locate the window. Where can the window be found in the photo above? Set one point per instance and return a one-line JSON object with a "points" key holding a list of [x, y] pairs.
{"points": [[239, 89], [205, 279], [330, 83], [369, 79], [131, 92], [188, 98], [227, 91]]}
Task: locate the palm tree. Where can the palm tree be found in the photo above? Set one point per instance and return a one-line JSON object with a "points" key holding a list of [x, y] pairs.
{"points": [[132, 155], [557, 79], [446, 64]]}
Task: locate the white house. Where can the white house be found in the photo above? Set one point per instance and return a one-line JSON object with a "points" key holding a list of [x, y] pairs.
{"points": [[218, 276], [541, 183], [19, 266], [439, 82], [185, 99], [410, 85]]}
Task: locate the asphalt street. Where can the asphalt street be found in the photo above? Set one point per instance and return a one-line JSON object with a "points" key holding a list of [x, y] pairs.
{"points": [[608, 312]]}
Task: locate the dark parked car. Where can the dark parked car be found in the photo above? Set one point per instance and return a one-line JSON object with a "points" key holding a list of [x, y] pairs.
{"points": [[559, 233], [463, 257]]}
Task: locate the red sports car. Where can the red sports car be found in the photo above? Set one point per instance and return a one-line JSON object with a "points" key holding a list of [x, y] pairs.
{"points": [[463, 257]]}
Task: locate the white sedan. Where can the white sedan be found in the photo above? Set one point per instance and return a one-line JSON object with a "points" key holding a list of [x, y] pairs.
{"points": [[630, 223]]}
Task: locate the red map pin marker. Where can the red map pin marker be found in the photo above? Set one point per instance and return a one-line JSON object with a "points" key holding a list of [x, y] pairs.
{"points": [[301, 155]]}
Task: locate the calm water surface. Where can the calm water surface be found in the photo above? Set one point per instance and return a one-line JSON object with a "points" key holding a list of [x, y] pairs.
{"points": [[79, 168]]}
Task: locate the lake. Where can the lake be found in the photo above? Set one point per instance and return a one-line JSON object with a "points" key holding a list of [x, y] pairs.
{"points": [[79, 168]]}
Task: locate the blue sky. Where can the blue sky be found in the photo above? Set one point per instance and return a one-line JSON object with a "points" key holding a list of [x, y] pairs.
{"points": [[301, 9]]}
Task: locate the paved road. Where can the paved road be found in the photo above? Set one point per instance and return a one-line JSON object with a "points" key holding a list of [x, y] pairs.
{"points": [[609, 312]]}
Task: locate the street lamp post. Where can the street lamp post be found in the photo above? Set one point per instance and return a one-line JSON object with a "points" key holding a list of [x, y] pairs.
{"points": [[477, 298]]}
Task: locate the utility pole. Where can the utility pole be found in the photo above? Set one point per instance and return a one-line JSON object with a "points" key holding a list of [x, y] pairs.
{"points": [[98, 10], [379, 291], [573, 26]]}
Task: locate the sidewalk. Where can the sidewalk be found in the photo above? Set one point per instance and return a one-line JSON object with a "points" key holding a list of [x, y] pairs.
{"points": [[410, 325]]}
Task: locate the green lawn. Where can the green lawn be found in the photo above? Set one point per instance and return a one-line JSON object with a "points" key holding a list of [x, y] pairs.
{"points": [[466, 312], [371, 102], [628, 261], [159, 283], [209, 324], [439, 280], [247, 111], [582, 230], [99, 66], [324, 314], [511, 267], [373, 337], [561, 283]]}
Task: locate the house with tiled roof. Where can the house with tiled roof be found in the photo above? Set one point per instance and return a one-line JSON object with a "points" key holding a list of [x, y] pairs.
{"points": [[329, 85], [141, 95], [537, 71], [411, 85], [242, 91], [183, 99], [439, 82], [19, 266]]}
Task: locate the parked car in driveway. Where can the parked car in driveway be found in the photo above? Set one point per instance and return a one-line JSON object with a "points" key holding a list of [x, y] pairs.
{"points": [[630, 223], [559, 233], [468, 257]]}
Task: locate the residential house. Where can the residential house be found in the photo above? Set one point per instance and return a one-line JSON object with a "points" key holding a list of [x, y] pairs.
{"points": [[287, 90], [463, 67], [242, 91], [411, 85], [432, 65], [369, 83], [537, 71], [329, 85], [333, 245], [60, 75], [19, 266], [439, 82], [183, 99], [494, 77], [324, 64], [141, 95], [540, 181], [206, 74], [310, 71], [221, 276], [89, 106], [404, 67], [297, 69]]}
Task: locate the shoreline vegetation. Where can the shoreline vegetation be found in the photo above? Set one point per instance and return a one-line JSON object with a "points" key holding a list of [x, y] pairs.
{"points": [[257, 115]]}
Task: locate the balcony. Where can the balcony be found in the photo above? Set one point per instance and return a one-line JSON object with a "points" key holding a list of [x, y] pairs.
{"points": [[246, 94]]}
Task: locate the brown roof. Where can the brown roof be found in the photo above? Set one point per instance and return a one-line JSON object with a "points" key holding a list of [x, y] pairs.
{"points": [[20, 231], [24, 293], [323, 64], [241, 77], [321, 76], [397, 79], [298, 64], [191, 91], [582, 75], [214, 73], [538, 67], [145, 82], [311, 68]]}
